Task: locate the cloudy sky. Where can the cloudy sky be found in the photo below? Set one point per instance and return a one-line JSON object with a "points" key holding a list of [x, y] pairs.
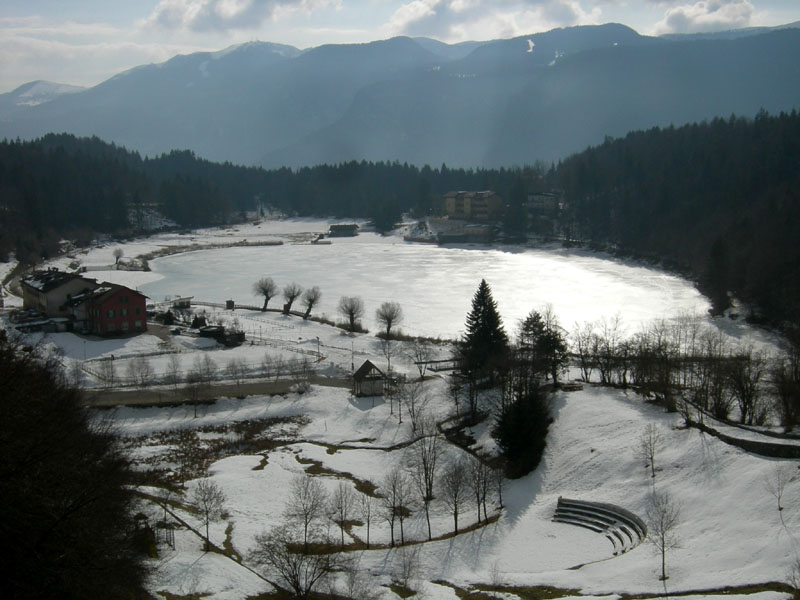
{"points": [[83, 42]]}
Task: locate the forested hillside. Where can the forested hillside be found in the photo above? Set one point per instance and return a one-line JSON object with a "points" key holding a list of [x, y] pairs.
{"points": [[717, 200], [63, 186], [720, 200]]}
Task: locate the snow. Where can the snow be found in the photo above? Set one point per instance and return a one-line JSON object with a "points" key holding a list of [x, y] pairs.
{"points": [[731, 531], [581, 286]]}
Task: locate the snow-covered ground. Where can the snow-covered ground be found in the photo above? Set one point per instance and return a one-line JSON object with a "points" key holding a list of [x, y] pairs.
{"points": [[731, 531]]}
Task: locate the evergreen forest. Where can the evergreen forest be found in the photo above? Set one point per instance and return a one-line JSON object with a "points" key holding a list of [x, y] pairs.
{"points": [[716, 201]]}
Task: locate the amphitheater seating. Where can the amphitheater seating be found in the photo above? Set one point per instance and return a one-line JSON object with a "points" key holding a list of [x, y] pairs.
{"points": [[623, 529]]}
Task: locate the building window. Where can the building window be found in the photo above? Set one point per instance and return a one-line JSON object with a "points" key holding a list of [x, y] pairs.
{"points": [[138, 310], [123, 312], [110, 314], [124, 325], [138, 324]]}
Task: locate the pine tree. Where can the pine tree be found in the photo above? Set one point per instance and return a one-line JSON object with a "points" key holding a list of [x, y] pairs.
{"points": [[485, 345]]}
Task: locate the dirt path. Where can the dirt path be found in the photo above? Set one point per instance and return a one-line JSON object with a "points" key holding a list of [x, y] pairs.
{"points": [[166, 397]]}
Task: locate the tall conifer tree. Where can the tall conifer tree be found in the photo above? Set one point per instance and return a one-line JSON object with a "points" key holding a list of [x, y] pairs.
{"points": [[485, 343]]}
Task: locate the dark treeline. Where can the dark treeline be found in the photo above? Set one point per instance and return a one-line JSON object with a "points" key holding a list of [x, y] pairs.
{"points": [[719, 200], [61, 185]]}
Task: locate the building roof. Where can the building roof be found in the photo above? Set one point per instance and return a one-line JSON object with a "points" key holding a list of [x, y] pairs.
{"points": [[100, 294], [470, 193], [107, 290], [45, 281], [366, 370]]}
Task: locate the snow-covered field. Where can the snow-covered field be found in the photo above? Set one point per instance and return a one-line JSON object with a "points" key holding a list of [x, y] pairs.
{"points": [[731, 532]]}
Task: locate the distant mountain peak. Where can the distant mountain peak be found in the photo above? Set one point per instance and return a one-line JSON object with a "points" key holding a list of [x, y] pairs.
{"points": [[39, 92]]}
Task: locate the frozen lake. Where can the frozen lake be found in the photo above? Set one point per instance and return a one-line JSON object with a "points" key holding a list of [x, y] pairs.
{"points": [[433, 284]]}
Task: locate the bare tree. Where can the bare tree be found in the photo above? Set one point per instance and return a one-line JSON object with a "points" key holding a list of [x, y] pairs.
{"points": [[394, 494], [649, 444], [342, 503], [480, 477], [107, 373], [140, 371], [454, 488], [415, 400], [194, 389], [302, 571], [745, 371], [389, 314], [456, 389], [265, 287], [793, 578], [582, 336], [352, 308], [498, 476], [117, 254], [421, 354], [423, 459], [306, 505], [356, 583], [206, 368], [366, 505], [290, 293], [388, 349], [776, 481], [236, 369], [663, 518], [173, 374], [311, 298], [209, 499], [407, 568]]}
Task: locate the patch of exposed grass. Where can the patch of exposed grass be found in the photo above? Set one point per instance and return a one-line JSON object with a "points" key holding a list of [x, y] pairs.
{"points": [[538, 592], [317, 468], [463, 593], [227, 545], [401, 590], [752, 588], [264, 462], [194, 455], [195, 596]]}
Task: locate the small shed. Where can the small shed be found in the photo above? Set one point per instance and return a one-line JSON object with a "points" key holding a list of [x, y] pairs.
{"points": [[343, 230], [368, 380]]}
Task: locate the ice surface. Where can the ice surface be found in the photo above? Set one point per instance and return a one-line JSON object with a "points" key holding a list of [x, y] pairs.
{"points": [[434, 285]]}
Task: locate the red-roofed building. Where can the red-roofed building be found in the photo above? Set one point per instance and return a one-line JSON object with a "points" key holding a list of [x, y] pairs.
{"points": [[111, 309]]}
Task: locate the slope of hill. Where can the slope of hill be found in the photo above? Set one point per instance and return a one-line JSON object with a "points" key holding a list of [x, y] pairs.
{"points": [[417, 100], [33, 94]]}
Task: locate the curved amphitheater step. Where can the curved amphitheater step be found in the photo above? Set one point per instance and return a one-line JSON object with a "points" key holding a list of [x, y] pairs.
{"points": [[623, 529]]}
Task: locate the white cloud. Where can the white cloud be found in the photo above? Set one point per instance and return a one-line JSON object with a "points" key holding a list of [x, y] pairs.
{"points": [[706, 15], [223, 15], [80, 54], [458, 20]]}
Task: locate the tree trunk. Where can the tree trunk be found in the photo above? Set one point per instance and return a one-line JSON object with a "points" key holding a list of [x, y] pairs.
{"points": [[428, 519]]}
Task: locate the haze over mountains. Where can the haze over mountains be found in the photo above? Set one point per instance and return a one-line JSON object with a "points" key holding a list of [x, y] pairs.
{"points": [[504, 102]]}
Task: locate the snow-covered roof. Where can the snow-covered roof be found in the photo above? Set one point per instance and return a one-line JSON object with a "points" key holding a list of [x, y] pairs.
{"points": [[366, 370], [45, 281]]}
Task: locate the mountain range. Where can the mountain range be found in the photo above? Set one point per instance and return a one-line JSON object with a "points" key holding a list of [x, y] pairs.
{"points": [[417, 100]]}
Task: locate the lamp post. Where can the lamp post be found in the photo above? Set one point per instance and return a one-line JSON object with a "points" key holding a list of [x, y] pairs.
{"points": [[318, 354]]}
